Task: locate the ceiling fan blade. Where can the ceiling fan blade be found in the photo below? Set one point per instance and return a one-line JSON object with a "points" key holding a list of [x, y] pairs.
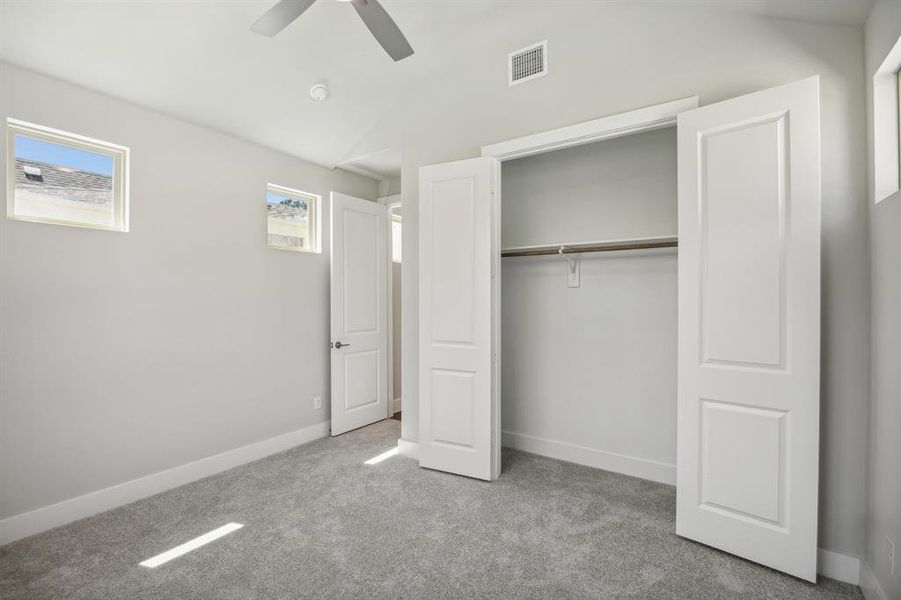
{"points": [[383, 28], [280, 16]]}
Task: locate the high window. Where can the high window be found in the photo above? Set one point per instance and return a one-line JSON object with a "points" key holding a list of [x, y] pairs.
{"points": [[65, 179], [292, 219]]}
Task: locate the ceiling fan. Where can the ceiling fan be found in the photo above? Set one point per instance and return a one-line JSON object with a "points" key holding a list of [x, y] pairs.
{"points": [[374, 16]]}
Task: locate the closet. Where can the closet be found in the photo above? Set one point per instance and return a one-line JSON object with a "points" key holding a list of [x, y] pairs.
{"points": [[593, 342], [588, 304]]}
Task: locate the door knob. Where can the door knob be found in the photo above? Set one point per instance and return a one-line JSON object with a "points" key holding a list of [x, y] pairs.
{"points": [[339, 345]]}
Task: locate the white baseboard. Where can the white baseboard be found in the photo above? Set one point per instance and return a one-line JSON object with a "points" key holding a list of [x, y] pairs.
{"points": [[869, 585], [838, 566], [408, 448], [830, 564], [29, 523], [599, 459], [396, 408]]}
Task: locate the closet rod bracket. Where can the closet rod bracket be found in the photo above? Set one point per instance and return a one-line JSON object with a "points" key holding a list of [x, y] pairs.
{"points": [[572, 260]]}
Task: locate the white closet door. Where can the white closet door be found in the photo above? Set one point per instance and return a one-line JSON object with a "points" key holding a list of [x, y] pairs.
{"points": [[459, 256], [749, 326], [359, 312]]}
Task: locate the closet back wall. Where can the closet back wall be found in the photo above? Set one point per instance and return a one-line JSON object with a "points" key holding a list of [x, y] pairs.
{"points": [[619, 188], [589, 373]]}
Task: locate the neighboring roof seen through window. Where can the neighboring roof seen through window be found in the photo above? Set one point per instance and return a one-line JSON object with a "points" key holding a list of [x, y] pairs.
{"points": [[33, 150]]}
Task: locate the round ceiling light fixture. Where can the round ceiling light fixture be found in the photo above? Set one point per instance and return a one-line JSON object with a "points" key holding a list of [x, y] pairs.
{"points": [[319, 92]]}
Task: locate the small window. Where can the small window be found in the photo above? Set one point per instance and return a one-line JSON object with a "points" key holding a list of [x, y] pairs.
{"points": [[886, 142], [292, 219], [65, 179], [396, 225]]}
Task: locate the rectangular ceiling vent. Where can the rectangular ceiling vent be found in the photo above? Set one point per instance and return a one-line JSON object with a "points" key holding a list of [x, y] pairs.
{"points": [[527, 63]]}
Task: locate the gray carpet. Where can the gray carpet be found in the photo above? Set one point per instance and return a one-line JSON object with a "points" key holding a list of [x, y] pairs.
{"points": [[318, 523]]}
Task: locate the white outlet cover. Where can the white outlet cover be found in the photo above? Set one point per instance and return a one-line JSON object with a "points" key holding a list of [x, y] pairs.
{"points": [[317, 402]]}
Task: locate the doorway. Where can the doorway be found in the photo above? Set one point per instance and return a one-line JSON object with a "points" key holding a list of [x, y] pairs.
{"points": [[359, 322], [395, 225]]}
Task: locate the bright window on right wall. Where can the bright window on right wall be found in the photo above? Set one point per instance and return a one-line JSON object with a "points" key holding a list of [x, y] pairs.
{"points": [[886, 149]]}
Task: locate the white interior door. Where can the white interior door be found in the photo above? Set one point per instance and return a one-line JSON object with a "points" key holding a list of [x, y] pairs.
{"points": [[749, 326], [359, 312], [459, 317]]}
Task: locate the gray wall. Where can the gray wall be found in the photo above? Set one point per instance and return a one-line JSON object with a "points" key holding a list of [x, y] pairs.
{"points": [[389, 187], [605, 59], [593, 366], [124, 354], [884, 486], [622, 188]]}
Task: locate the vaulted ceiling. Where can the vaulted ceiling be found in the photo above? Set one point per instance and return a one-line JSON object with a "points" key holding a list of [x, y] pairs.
{"points": [[198, 60]]}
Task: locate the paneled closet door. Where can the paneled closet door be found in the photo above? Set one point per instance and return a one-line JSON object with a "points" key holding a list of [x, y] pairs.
{"points": [[459, 319], [749, 326]]}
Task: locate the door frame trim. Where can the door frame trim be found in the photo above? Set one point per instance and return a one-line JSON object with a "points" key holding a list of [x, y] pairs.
{"points": [[622, 124], [391, 202], [650, 118]]}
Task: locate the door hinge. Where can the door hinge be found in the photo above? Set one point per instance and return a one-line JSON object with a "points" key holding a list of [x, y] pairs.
{"points": [[493, 439]]}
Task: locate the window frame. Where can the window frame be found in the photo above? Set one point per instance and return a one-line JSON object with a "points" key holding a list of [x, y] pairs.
{"points": [[120, 175], [313, 201], [886, 133]]}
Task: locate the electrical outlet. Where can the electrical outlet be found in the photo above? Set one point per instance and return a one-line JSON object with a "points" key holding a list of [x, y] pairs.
{"points": [[890, 554], [317, 402]]}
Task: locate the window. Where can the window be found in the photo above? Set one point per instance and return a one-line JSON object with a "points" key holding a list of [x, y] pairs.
{"points": [[292, 219], [886, 149], [66, 179], [395, 234]]}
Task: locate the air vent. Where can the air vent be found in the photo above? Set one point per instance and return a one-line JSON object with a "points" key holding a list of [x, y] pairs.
{"points": [[33, 173], [527, 63]]}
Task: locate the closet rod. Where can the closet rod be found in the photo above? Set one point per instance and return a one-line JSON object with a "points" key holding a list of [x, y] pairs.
{"points": [[580, 248]]}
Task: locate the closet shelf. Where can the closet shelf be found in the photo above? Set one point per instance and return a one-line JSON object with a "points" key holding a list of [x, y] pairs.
{"points": [[610, 246]]}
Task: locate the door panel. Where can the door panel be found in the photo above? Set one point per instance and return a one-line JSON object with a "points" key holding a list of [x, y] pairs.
{"points": [[742, 220], [361, 293], [459, 254], [359, 312], [749, 326]]}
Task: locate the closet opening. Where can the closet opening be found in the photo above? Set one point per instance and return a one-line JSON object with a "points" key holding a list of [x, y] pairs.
{"points": [[589, 304]]}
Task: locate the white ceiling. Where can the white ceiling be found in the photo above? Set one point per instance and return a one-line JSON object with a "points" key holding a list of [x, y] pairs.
{"points": [[379, 165], [839, 12], [199, 61]]}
